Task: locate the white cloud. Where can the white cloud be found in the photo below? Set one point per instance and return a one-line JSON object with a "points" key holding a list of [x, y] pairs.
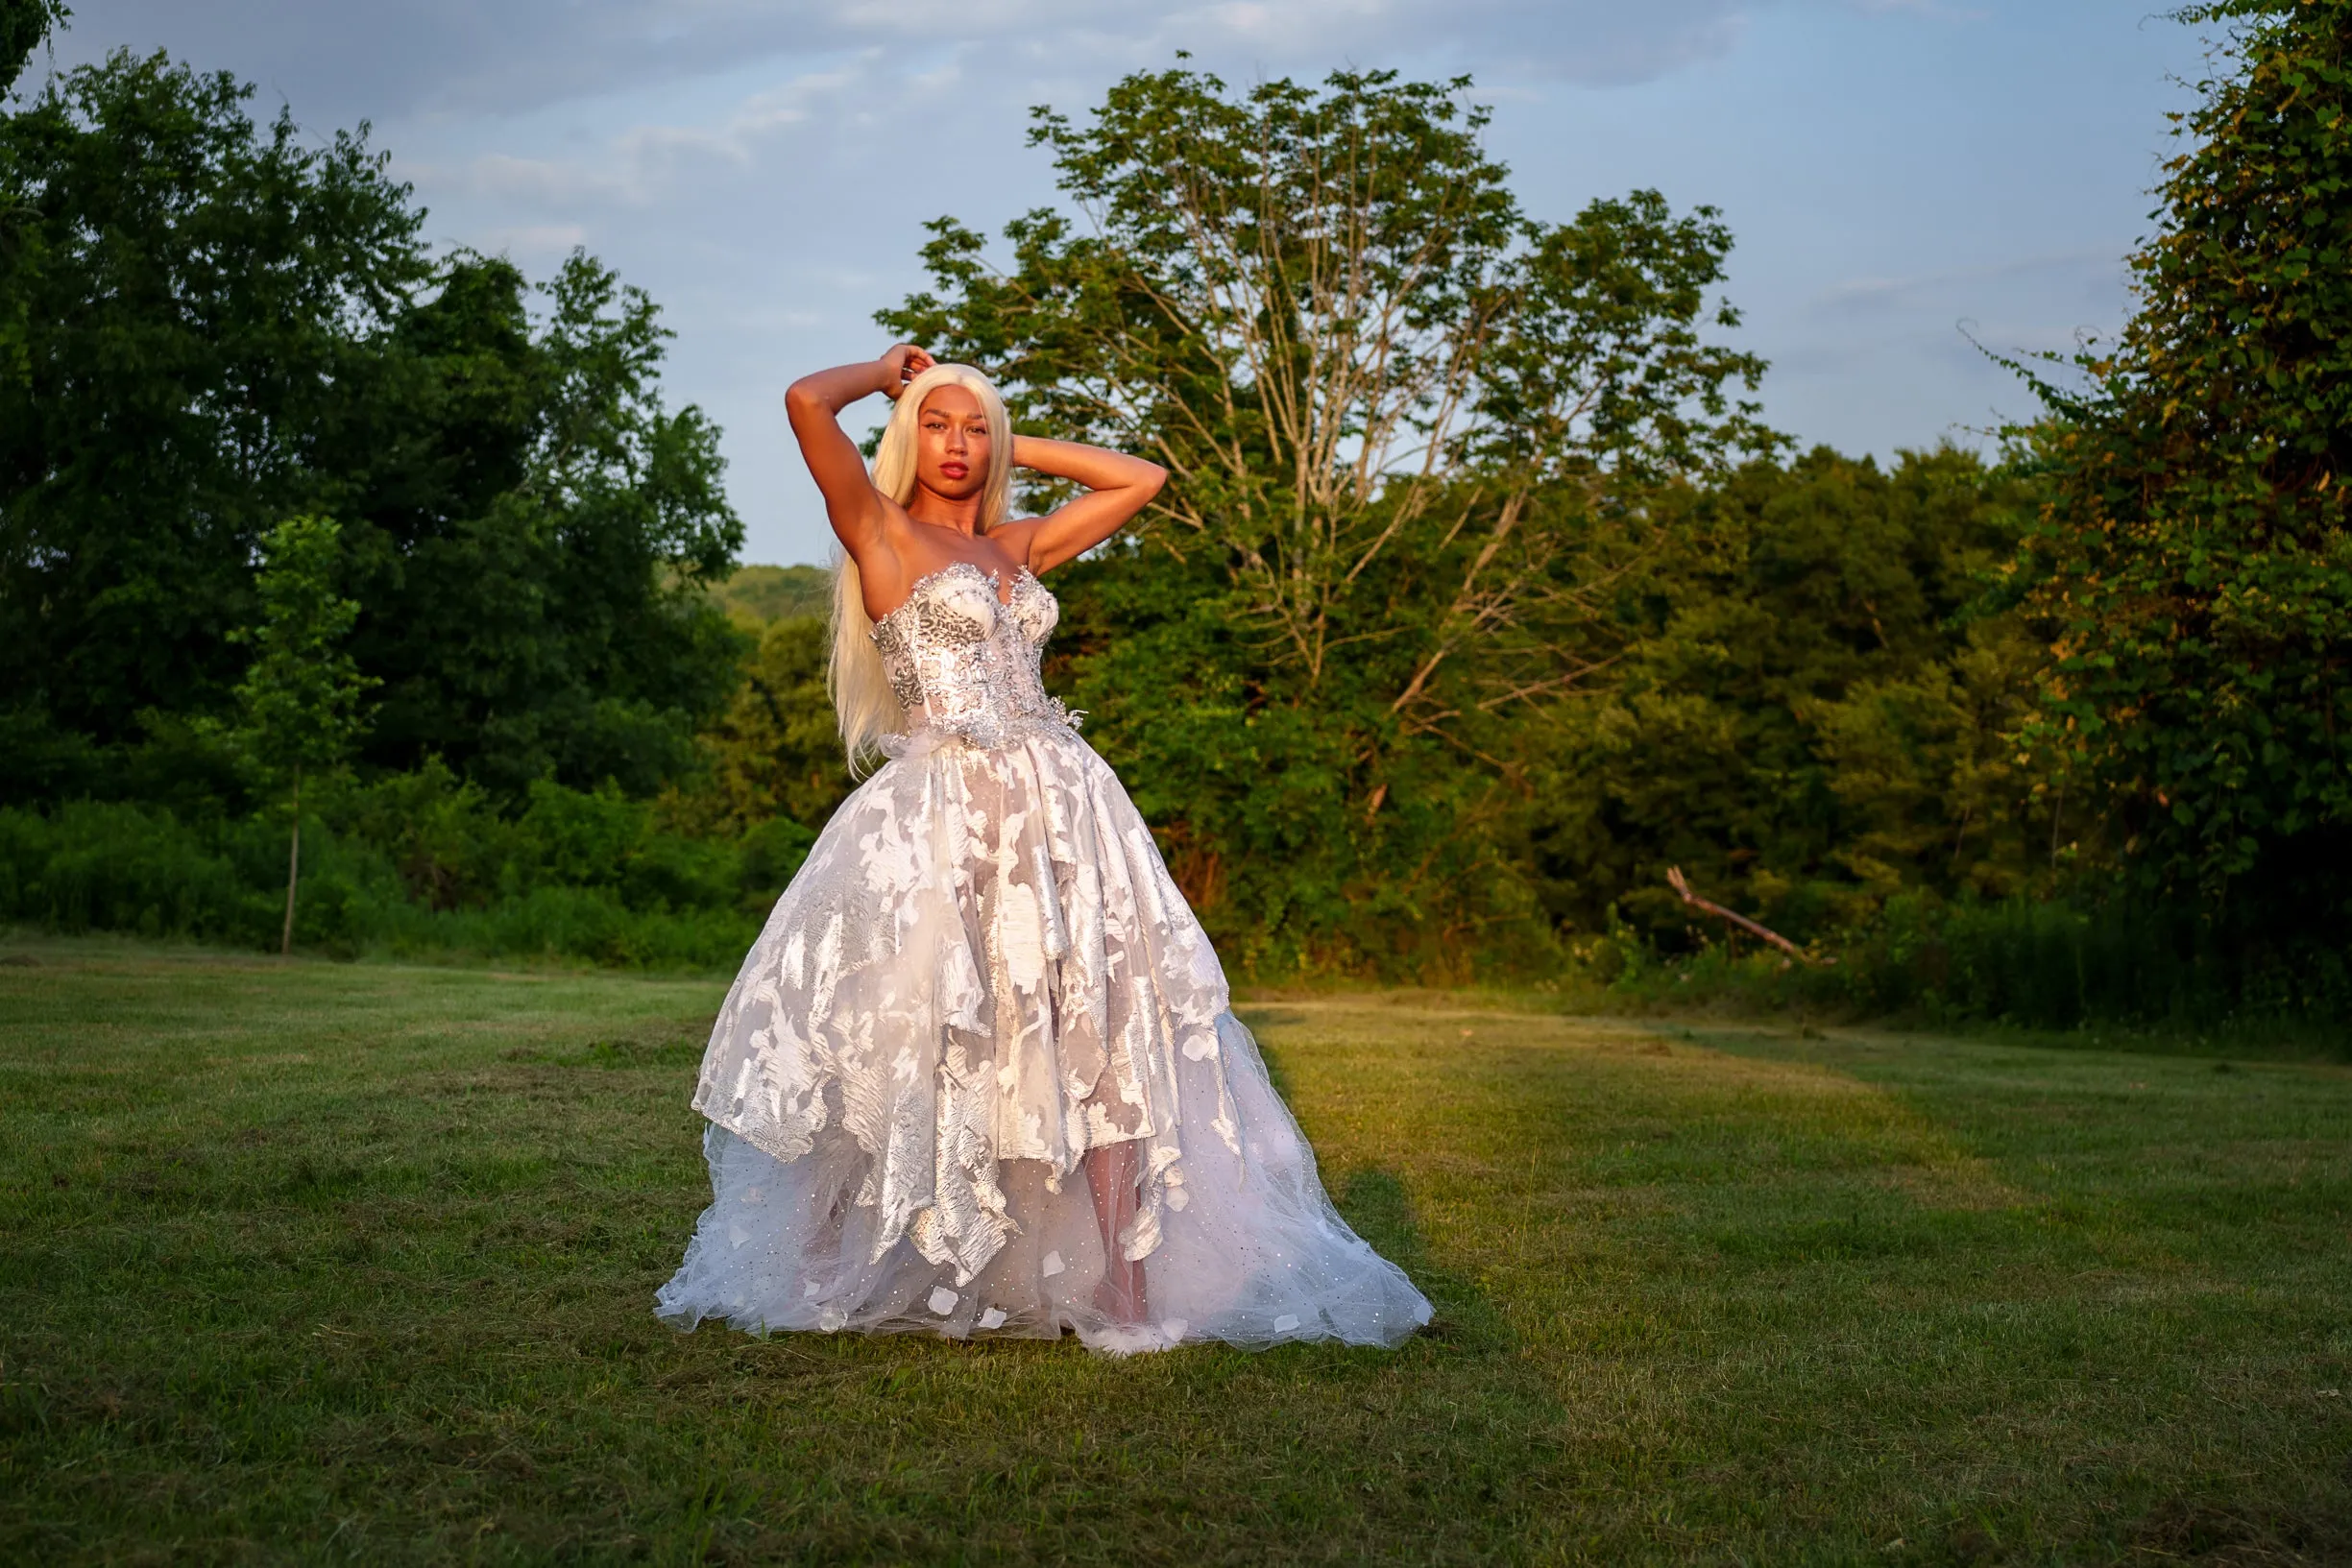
{"points": [[654, 163], [762, 167], [395, 59], [2094, 271]]}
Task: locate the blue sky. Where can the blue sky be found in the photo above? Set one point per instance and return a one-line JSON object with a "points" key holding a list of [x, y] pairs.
{"points": [[1900, 173]]}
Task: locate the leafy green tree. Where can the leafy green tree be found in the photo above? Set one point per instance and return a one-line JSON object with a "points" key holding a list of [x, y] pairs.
{"points": [[23, 25], [205, 327], [184, 303], [2194, 561], [299, 697], [757, 596], [1808, 715], [1410, 431], [532, 535], [775, 752]]}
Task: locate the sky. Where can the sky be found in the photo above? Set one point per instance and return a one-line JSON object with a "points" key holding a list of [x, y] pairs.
{"points": [[1910, 182]]}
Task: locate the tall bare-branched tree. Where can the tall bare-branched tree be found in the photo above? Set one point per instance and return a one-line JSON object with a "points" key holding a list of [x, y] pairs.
{"points": [[1410, 428], [1325, 312]]}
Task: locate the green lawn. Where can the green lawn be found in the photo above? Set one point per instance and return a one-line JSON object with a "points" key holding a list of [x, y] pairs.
{"points": [[356, 1263]]}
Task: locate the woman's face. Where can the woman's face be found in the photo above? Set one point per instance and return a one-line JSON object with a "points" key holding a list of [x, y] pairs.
{"points": [[951, 436]]}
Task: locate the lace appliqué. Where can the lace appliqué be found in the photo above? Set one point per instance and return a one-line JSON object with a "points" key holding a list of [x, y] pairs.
{"points": [[981, 974], [982, 959]]}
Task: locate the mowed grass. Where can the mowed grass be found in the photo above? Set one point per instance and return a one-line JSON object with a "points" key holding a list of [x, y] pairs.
{"points": [[355, 1263]]}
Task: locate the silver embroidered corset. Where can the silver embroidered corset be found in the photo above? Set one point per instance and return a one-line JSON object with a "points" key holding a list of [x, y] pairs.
{"points": [[965, 664]]}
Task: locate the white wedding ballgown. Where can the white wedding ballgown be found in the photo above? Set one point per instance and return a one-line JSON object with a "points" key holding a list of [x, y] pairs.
{"points": [[982, 982]]}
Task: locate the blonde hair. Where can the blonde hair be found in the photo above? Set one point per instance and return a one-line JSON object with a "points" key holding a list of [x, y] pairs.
{"points": [[862, 701]]}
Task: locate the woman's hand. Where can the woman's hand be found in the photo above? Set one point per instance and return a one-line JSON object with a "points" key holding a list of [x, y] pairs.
{"points": [[902, 364]]}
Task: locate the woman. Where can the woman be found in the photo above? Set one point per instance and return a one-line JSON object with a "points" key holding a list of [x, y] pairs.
{"points": [[979, 1075]]}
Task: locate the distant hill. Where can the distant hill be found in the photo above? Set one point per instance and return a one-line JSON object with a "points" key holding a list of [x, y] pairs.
{"points": [[756, 595]]}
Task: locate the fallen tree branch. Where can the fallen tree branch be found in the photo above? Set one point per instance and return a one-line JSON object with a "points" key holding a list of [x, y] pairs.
{"points": [[1675, 881]]}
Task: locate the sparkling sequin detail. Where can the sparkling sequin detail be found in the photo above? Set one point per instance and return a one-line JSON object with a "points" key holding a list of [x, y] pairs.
{"points": [[966, 663]]}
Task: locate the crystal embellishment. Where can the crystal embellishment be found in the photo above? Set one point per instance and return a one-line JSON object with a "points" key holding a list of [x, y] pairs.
{"points": [[966, 665]]}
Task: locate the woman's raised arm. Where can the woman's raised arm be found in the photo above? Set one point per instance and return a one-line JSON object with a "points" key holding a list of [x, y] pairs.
{"points": [[1119, 487], [814, 403]]}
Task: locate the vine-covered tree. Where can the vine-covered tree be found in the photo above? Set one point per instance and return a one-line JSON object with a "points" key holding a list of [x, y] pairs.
{"points": [[1410, 429], [2194, 560]]}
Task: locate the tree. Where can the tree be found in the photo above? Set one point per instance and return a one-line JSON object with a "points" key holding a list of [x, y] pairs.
{"points": [[185, 304], [532, 536], [1809, 714], [754, 596], [205, 327], [23, 25], [2193, 564], [775, 752], [1410, 430], [299, 697]]}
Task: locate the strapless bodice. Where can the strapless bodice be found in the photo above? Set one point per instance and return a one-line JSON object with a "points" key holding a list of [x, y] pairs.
{"points": [[966, 664]]}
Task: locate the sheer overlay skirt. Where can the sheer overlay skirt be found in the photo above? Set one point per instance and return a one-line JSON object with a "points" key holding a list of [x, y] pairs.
{"points": [[981, 1076]]}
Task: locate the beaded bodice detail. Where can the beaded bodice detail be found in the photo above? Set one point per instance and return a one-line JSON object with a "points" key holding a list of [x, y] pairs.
{"points": [[966, 664]]}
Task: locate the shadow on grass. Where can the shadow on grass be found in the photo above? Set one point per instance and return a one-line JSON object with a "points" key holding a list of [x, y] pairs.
{"points": [[396, 1305], [1493, 1423], [919, 1448], [661, 1044], [1376, 1203]]}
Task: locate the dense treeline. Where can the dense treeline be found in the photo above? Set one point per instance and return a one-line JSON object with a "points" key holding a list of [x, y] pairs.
{"points": [[2192, 567], [211, 326], [1789, 697], [1484, 595], [1812, 713]]}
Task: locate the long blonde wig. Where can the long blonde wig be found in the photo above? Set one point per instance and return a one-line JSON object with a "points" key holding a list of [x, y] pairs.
{"points": [[862, 701]]}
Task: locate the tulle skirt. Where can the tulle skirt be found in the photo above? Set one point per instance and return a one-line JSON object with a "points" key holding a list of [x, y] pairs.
{"points": [[981, 1071]]}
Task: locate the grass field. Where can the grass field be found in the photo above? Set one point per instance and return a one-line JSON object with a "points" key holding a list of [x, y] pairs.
{"points": [[355, 1263]]}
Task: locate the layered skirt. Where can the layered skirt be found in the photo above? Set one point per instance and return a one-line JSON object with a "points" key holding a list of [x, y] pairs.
{"points": [[982, 982]]}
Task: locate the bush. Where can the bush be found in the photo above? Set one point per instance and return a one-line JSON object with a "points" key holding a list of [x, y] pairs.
{"points": [[108, 866], [2089, 963], [417, 865]]}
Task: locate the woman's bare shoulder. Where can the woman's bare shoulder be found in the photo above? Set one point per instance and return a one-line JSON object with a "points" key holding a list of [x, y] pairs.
{"points": [[1017, 538]]}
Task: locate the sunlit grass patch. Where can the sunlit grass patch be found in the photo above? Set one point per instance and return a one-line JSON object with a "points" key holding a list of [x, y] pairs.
{"points": [[356, 1261]]}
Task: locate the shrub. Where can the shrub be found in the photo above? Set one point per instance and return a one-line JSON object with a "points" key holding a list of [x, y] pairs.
{"points": [[417, 865]]}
